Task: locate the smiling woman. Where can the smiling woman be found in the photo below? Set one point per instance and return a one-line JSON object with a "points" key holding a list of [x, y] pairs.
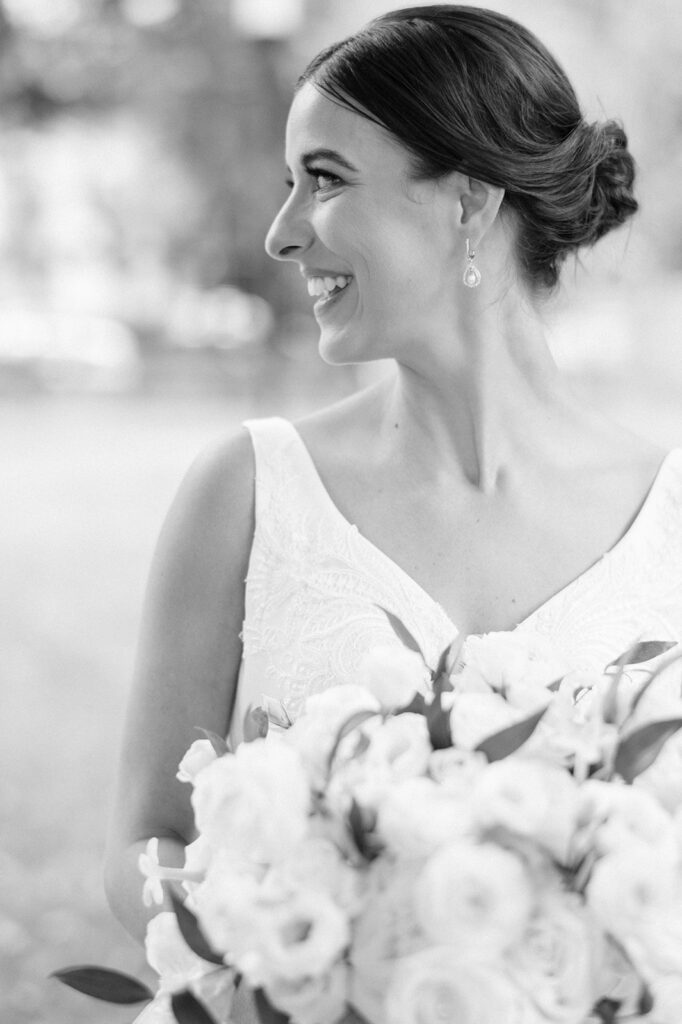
{"points": [[440, 174]]}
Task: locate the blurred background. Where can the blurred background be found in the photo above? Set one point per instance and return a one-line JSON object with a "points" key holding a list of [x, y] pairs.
{"points": [[140, 165]]}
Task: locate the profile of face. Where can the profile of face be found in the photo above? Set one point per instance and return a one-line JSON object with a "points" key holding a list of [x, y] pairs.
{"points": [[356, 218]]}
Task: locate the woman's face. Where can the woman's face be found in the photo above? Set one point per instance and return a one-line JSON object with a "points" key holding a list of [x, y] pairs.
{"points": [[356, 223]]}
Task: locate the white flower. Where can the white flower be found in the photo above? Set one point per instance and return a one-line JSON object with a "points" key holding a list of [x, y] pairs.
{"points": [[475, 898], [386, 928], [397, 748], [197, 757], [456, 770], [476, 716], [226, 905], [148, 863], [393, 674], [619, 817], [320, 1000], [316, 864], [276, 711], [528, 797], [170, 956], [506, 659], [315, 733], [667, 993], [629, 889], [300, 936], [253, 803], [556, 960], [417, 816], [434, 985]]}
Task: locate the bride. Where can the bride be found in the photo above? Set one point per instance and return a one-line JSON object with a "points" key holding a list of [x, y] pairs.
{"points": [[440, 172]]}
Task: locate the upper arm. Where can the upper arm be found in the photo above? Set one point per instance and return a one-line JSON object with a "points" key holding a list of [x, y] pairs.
{"points": [[189, 649]]}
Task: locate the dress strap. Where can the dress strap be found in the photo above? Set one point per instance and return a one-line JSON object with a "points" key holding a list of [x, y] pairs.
{"points": [[286, 477]]}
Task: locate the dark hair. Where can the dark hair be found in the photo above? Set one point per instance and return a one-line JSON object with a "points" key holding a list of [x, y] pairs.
{"points": [[467, 89]]}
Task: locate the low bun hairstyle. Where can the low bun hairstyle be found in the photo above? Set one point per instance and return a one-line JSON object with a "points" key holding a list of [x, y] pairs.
{"points": [[466, 89]]}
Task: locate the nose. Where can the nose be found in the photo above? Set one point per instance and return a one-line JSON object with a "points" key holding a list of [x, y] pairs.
{"points": [[289, 234]]}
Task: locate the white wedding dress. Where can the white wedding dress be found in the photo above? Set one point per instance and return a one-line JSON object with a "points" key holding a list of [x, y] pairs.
{"points": [[315, 584]]}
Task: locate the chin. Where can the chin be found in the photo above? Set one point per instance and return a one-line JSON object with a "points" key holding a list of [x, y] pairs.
{"points": [[344, 347]]}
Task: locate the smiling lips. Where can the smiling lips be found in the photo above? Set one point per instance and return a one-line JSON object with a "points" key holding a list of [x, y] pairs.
{"points": [[323, 287]]}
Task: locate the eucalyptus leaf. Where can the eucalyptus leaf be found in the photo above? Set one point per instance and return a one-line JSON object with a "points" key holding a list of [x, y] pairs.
{"points": [[267, 1013], [256, 724], [361, 823], [220, 745], [101, 983], [641, 652], [505, 742], [188, 1010], [351, 723], [192, 933], [438, 722], [639, 749], [403, 633]]}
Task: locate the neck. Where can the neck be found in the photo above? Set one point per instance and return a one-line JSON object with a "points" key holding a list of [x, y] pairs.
{"points": [[474, 405]]}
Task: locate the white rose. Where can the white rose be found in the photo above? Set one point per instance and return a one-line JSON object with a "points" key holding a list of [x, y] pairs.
{"points": [[573, 730], [226, 904], [301, 936], [386, 928], [253, 803], [317, 864], [417, 816], [475, 898], [620, 816], [197, 757], [556, 961], [659, 943], [529, 797], [434, 985], [476, 716], [315, 733], [456, 770], [505, 659], [320, 1000], [397, 748], [170, 956], [667, 993], [393, 674], [630, 888]]}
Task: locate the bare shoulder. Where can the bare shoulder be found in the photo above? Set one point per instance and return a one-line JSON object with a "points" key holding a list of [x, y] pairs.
{"points": [[219, 484]]}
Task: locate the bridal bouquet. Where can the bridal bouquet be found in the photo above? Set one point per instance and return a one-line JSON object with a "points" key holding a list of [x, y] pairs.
{"points": [[491, 841]]}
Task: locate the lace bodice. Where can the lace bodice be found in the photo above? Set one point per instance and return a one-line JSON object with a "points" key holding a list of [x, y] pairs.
{"points": [[315, 585]]}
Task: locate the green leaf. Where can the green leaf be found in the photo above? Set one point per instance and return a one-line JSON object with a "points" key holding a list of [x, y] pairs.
{"points": [[438, 722], [645, 1003], [192, 933], [642, 652], [220, 745], [639, 749], [256, 724], [555, 684], [188, 1010], [361, 823], [267, 1013], [402, 632], [417, 706], [505, 742], [351, 723], [100, 983]]}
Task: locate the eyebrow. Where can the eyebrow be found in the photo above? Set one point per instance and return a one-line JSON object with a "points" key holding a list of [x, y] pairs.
{"points": [[325, 154]]}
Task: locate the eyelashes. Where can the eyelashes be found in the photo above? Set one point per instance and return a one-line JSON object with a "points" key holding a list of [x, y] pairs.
{"points": [[318, 175]]}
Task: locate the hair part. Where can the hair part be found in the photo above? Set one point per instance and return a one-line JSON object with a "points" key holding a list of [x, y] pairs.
{"points": [[466, 89]]}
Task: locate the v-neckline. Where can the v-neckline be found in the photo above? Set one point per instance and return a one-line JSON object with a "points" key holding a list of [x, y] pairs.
{"points": [[617, 548]]}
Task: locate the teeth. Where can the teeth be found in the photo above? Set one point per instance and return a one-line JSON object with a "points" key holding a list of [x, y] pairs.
{"points": [[324, 285]]}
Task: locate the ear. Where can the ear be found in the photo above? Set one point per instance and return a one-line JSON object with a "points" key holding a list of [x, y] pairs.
{"points": [[476, 205], [480, 204]]}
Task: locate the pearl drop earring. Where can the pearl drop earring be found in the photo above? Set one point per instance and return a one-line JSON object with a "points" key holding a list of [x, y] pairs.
{"points": [[472, 275]]}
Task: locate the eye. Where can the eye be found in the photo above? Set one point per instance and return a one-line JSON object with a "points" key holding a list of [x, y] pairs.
{"points": [[324, 180]]}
